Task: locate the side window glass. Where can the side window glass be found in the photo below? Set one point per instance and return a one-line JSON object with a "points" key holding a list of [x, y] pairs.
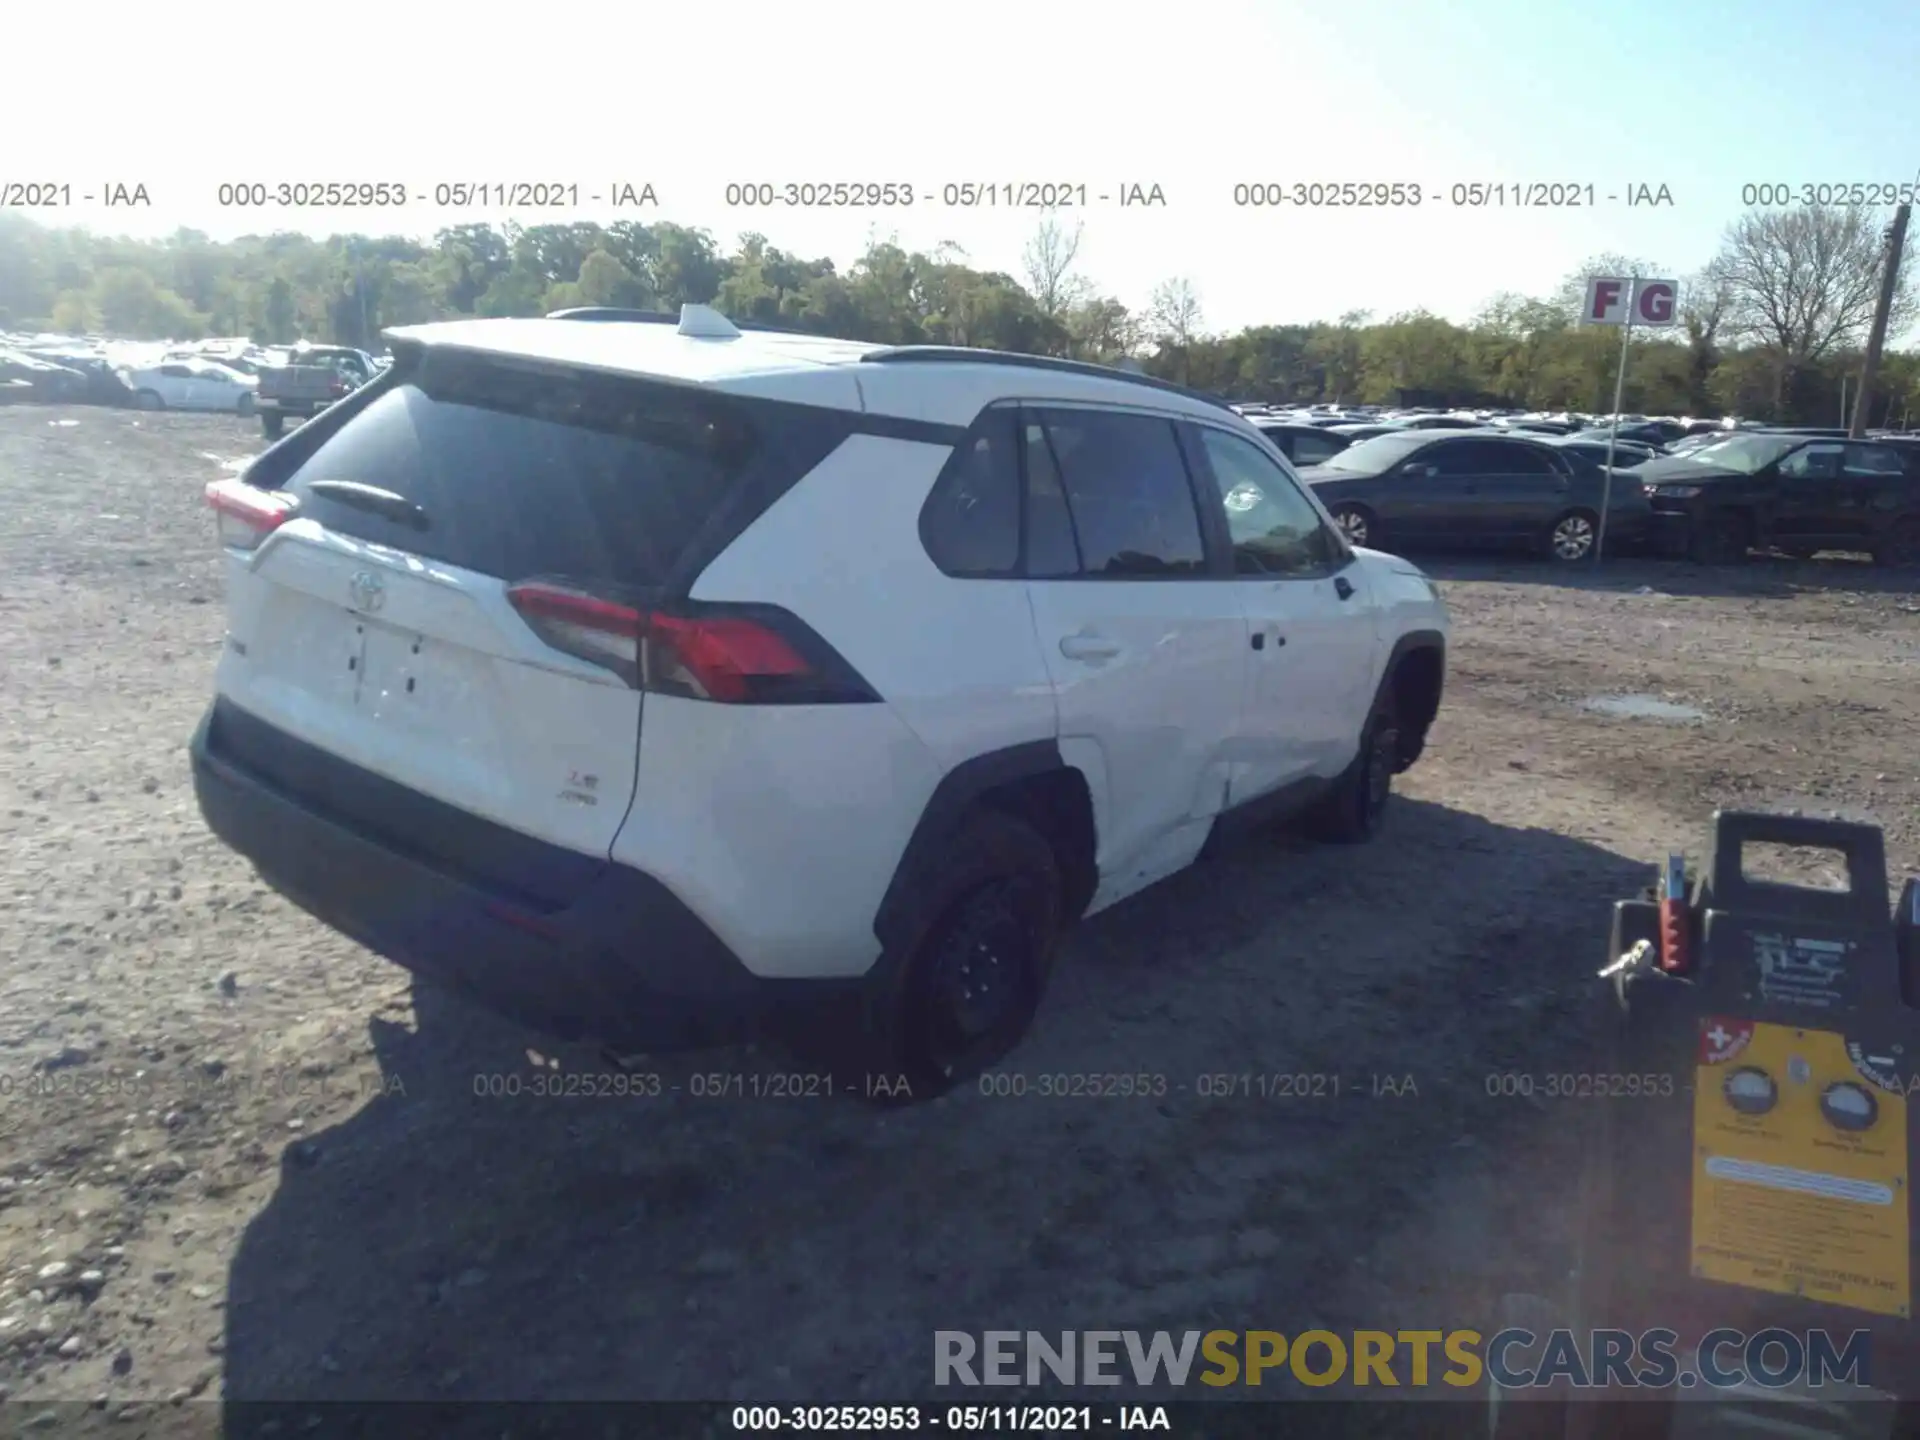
{"points": [[970, 524], [1128, 493], [1813, 462], [1873, 460], [1052, 550], [1314, 449], [1522, 459], [1458, 457], [1274, 528]]}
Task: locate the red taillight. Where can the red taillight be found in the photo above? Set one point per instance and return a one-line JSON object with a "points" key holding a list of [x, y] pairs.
{"points": [[598, 630], [730, 658], [718, 658], [245, 515]]}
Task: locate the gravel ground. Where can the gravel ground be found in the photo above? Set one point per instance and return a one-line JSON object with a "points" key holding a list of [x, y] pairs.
{"points": [[264, 1171]]}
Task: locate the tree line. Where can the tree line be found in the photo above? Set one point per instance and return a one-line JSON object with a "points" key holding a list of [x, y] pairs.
{"points": [[1771, 329]]}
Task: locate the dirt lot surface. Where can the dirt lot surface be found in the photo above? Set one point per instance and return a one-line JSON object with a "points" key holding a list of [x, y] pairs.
{"points": [[264, 1171]]}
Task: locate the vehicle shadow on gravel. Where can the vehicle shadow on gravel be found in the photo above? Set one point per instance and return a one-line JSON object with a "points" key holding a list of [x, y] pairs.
{"points": [[448, 1243], [1762, 577]]}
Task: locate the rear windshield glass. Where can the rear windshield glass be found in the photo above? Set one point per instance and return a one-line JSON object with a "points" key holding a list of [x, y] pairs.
{"points": [[525, 473]]}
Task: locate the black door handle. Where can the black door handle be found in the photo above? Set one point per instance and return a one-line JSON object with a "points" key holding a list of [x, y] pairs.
{"points": [[1259, 639], [1343, 587]]}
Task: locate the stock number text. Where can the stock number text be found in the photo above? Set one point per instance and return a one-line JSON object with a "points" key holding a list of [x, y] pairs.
{"points": [[1575, 1086], [568, 1085], [1327, 195], [1073, 1086], [821, 194], [314, 194], [1843, 192]]}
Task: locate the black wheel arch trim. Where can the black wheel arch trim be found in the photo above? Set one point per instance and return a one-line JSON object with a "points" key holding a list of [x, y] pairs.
{"points": [[1413, 740], [958, 791]]}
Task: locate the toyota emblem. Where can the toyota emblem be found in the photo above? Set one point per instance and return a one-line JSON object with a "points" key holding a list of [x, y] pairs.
{"points": [[367, 591]]}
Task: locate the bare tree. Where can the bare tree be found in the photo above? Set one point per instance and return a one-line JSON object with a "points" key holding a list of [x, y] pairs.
{"points": [[1173, 318], [1173, 312], [1048, 262], [1801, 282]]}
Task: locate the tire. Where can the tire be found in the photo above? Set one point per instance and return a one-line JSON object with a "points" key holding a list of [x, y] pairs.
{"points": [[991, 900], [1354, 810], [272, 424], [1901, 549], [1572, 536], [243, 407], [148, 400], [1357, 523], [1721, 538]]}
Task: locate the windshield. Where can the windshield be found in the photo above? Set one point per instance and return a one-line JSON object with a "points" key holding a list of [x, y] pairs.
{"points": [[1747, 454], [1370, 457]]}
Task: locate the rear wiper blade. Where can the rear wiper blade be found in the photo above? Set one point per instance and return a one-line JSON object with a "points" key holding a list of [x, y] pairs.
{"points": [[372, 497]]}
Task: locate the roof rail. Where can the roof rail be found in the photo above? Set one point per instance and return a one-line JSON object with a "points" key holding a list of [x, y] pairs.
{"points": [[615, 314], [612, 312], [965, 355]]}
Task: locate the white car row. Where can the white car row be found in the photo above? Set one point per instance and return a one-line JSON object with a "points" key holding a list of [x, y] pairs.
{"points": [[191, 385]]}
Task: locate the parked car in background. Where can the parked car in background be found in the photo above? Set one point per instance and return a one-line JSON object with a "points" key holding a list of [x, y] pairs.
{"points": [[1353, 434], [191, 385], [1690, 443], [312, 379], [1481, 490], [1626, 453], [42, 380], [1302, 444], [1906, 445], [1540, 427], [1799, 494], [1442, 422], [103, 383], [1655, 434]]}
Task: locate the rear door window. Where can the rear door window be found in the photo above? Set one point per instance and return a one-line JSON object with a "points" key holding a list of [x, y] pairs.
{"points": [[1312, 449], [1128, 492], [1872, 461], [525, 472]]}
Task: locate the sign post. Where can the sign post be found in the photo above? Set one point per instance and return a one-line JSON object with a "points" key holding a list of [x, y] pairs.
{"points": [[1625, 301]]}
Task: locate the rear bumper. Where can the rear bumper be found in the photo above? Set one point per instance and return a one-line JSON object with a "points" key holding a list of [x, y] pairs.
{"points": [[626, 962]]}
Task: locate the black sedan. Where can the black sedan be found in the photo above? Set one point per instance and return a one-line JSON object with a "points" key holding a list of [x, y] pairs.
{"points": [[57, 384], [1478, 490], [1797, 493], [1303, 444], [1654, 434], [1626, 453]]}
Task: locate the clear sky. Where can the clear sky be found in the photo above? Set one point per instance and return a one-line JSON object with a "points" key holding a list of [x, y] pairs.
{"points": [[1700, 96]]}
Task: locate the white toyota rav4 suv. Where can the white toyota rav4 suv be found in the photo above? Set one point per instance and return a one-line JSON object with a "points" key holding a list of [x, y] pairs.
{"points": [[665, 683]]}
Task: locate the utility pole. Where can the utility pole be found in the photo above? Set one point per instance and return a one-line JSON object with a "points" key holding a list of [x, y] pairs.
{"points": [[1877, 337]]}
